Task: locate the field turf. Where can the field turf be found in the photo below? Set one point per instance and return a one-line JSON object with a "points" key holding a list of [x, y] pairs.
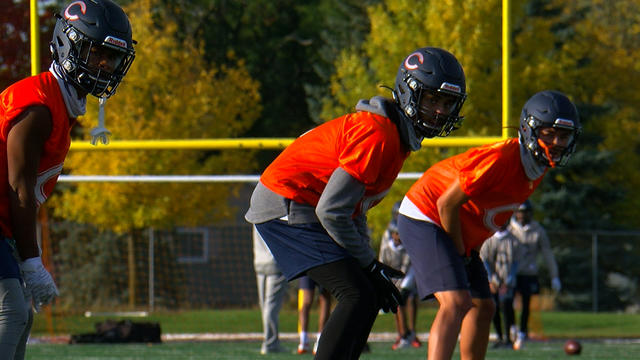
{"points": [[550, 349], [603, 336]]}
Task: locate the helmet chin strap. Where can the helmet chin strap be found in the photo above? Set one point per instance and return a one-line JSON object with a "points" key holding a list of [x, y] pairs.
{"points": [[100, 132], [547, 152]]}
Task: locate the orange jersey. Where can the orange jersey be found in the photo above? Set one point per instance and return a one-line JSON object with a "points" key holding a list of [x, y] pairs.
{"points": [[493, 178], [365, 145], [42, 89]]}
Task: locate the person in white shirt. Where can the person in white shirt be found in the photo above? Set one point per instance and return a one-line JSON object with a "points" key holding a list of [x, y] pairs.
{"points": [[533, 241]]}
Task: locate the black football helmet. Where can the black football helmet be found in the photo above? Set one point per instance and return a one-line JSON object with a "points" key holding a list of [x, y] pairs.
{"points": [[548, 108], [87, 29], [432, 70]]}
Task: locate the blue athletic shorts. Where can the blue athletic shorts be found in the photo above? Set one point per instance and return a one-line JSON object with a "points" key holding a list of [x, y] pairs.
{"points": [[8, 264], [436, 262], [307, 283], [298, 248]]}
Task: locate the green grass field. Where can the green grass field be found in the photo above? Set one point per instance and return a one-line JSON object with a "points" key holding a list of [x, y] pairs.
{"points": [[542, 350], [603, 335]]}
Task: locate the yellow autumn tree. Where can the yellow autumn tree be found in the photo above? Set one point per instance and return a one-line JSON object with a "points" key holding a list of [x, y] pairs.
{"points": [[171, 92]]}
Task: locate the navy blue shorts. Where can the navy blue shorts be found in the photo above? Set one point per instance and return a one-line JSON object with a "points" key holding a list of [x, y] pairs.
{"points": [[436, 262], [298, 248], [8, 264], [307, 283]]}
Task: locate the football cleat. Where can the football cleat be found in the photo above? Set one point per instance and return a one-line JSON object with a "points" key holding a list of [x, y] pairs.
{"points": [[519, 343], [401, 343], [303, 349]]}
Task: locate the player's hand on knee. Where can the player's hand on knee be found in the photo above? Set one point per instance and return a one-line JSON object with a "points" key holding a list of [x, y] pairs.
{"points": [[380, 275], [38, 282]]}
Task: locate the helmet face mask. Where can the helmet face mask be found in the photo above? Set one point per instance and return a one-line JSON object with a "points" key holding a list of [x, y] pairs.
{"points": [[434, 113], [549, 128], [92, 44], [430, 90]]}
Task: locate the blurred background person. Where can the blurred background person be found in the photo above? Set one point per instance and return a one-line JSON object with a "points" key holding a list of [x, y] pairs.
{"points": [[533, 242], [500, 257], [306, 293], [272, 288]]}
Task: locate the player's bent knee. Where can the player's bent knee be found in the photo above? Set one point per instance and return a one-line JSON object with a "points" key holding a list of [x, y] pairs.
{"points": [[486, 308], [459, 302]]}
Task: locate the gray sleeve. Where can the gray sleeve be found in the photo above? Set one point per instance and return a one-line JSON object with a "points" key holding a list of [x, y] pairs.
{"points": [[265, 205], [335, 209]]}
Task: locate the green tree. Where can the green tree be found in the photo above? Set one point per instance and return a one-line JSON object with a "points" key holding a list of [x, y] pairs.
{"points": [[170, 92], [289, 46], [268, 34], [606, 46]]}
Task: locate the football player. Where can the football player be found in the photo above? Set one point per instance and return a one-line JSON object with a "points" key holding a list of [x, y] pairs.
{"points": [[92, 50], [461, 201], [311, 201]]}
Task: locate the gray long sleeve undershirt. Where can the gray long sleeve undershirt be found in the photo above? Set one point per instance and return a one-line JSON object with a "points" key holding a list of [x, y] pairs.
{"points": [[334, 211]]}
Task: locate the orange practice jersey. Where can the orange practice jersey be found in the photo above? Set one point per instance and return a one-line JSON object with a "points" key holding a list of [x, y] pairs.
{"points": [[42, 89], [365, 145], [493, 178]]}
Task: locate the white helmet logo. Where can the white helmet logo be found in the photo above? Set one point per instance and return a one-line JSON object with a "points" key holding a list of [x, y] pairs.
{"points": [[72, 17], [407, 63]]}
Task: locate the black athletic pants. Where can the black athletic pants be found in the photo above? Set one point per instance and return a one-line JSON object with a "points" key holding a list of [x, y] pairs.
{"points": [[347, 329], [504, 306], [526, 285]]}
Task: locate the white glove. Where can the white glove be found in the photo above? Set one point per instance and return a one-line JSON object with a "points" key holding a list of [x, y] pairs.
{"points": [[38, 281], [556, 285]]}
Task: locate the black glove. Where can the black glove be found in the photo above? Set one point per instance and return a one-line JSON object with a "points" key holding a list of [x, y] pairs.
{"points": [[380, 275]]}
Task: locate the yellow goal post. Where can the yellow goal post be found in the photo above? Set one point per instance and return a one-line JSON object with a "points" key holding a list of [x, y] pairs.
{"points": [[222, 144]]}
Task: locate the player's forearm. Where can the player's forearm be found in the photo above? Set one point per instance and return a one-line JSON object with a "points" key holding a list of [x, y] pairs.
{"points": [[23, 223]]}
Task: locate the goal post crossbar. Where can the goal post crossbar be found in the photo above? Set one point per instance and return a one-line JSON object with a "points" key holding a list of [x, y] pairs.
{"points": [[182, 178], [221, 144], [251, 143]]}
